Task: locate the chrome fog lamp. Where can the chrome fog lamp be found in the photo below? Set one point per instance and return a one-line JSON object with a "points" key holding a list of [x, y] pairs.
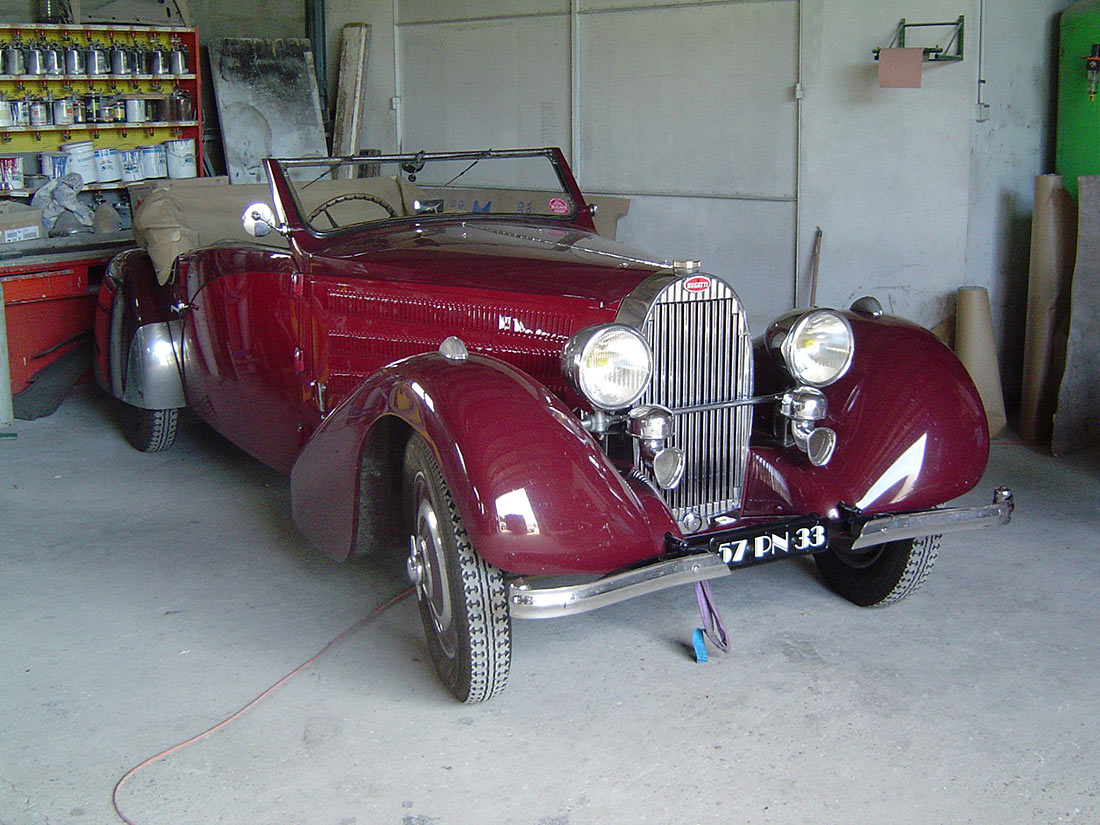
{"points": [[818, 443], [817, 348], [804, 407], [608, 365], [651, 426], [668, 468]]}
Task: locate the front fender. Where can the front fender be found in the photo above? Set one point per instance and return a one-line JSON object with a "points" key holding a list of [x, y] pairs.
{"points": [[137, 346], [911, 431], [535, 492]]}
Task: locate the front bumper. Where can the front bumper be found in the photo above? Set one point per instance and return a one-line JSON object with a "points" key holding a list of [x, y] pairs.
{"points": [[713, 556]]}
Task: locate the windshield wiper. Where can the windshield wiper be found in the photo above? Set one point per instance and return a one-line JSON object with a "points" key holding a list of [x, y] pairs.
{"points": [[328, 171], [468, 168]]}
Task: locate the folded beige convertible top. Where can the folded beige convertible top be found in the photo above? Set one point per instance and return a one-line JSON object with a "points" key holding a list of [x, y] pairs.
{"points": [[187, 215]]}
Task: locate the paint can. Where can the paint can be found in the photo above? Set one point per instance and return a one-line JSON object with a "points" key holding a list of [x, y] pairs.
{"points": [[130, 162], [81, 159], [11, 172], [39, 112], [181, 158], [63, 111], [135, 110], [154, 161], [54, 164], [106, 165]]}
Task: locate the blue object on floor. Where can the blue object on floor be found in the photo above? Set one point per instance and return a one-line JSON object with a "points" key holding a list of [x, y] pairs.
{"points": [[699, 639]]}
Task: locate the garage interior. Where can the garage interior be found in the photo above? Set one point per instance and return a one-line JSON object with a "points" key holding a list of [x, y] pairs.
{"points": [[148, 598]]}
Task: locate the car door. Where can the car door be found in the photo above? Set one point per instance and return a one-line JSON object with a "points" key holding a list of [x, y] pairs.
{"points": [[243, 347]]}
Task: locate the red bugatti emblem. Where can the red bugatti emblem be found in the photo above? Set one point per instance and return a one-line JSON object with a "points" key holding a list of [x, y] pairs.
{"points": [[697, 284]]}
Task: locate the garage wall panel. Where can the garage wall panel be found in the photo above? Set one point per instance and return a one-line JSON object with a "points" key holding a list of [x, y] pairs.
{"points": [[747, 242], [488, 84], [686, 108], [422, 11], [691, 100]]}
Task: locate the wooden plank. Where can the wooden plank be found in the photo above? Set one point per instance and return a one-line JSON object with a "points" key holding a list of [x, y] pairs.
{"points": [[347, 128]]}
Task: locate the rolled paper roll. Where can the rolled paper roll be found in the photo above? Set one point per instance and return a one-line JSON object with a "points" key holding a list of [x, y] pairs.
{"points": [[975, 347], [1053, 250]]}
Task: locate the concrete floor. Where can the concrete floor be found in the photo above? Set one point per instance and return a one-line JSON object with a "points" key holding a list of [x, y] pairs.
{"points": [[145, 597]]}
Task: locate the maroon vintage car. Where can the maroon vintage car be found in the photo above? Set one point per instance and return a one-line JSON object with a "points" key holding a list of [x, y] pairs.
{"points": [[441, 352]]}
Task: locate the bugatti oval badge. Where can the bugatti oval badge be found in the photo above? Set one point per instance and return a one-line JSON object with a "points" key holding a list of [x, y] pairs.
{"points": [[698, 283], [559, 206]]}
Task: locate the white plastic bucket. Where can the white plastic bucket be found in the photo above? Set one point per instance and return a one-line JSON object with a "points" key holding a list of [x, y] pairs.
{"points": [[81, 159], [181, 158], [106, 165], [11, 172], [154, 161], [130, 162]]}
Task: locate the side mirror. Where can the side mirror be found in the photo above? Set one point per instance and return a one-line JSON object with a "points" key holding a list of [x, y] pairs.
{"points": [[259, 220]]}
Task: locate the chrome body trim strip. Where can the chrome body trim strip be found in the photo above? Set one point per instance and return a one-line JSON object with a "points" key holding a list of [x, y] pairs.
{"points": [[526, 602], [934, 522]]}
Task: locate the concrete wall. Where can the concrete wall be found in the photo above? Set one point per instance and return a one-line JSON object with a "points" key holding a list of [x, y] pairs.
{"points": [[1013, 145], [885, 172], [914, 195]]}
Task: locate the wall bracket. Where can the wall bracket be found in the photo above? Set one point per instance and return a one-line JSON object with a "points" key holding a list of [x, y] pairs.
{"points": [[951, 53]]}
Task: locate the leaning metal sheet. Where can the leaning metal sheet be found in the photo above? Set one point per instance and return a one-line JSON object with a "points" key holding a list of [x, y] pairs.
{"points": [[1077, 421], [268, 103]]}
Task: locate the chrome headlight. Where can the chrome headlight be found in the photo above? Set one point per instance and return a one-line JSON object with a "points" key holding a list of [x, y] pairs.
{"points": [[817, 347], [608, 365]]}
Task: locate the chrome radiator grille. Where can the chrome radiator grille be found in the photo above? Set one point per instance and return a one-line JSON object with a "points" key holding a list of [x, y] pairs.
{"points": [[702, 358]]}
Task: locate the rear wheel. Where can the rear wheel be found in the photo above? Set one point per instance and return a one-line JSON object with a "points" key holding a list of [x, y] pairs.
{"points": [[879, 575], [149, 430], [463, 600]]}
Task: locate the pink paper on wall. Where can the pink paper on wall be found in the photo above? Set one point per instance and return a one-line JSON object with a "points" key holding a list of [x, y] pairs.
{"points": [[900, 68]]}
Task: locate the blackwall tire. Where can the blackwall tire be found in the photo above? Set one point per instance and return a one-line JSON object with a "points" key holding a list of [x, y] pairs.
{"points": [[882, 575], [463, 600], [149, 430]]}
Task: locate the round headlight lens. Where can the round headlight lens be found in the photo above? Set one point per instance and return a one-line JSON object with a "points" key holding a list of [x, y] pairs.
{"points": [[818, 349], [609, 365]]}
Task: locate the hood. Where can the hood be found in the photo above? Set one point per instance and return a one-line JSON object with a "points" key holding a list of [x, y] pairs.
{"points": [[496, 255]]}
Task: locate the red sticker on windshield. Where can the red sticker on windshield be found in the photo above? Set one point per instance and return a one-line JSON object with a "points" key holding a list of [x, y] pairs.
{"points": [[558, 206], [697, 284]]}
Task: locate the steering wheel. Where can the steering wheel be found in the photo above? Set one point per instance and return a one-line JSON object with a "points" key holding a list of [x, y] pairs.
{"points": [[351, 196]]}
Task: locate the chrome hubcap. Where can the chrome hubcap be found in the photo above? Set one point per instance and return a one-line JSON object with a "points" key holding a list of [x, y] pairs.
{"points": [[427, 570]]}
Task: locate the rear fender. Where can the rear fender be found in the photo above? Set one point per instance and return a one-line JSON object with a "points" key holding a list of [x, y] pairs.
{"points": [[535, 492], [911, 430], [137, 342]]}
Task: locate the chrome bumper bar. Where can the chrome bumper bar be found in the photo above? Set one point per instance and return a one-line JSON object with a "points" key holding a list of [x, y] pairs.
{"points": [[936, 522], [529, 602]]}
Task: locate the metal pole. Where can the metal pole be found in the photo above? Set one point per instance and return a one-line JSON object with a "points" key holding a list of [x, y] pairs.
{"points": [[7, 412]]}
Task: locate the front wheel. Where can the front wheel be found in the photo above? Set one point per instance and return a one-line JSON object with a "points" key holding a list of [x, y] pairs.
{"points": [[149, 430], [880, 575], [463, 600]]}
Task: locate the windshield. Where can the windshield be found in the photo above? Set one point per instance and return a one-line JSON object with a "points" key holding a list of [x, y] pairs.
{"points": [[336, 193]]}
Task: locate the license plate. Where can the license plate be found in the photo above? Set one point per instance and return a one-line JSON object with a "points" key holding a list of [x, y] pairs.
{"points": [[756, 545]]}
